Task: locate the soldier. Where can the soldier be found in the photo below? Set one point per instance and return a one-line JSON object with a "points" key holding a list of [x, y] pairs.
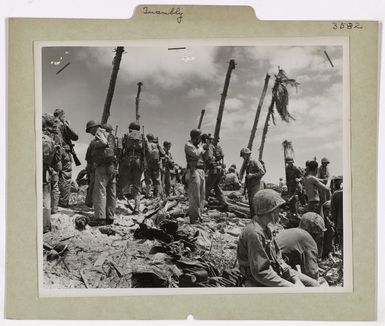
{"points": [[168, 167], [231, 181], [154, 155], [52, 131], [293, 181], [213, 157], [313, 186], [337, 210], [103, 158], [67, 134], [90, 171], [300, 246], [258, 254], [195, 175], [51, 153], [255, 170], [323, 174], [132, 163]]}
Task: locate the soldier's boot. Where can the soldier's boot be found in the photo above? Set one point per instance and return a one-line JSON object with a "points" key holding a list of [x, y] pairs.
{"points": [[148, 190], [137, 205]]}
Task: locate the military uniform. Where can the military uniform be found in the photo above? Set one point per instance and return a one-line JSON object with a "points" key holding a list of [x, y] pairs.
{"points": [[299, 248], [90, 174], [53, 132], [67, 135], [292, 174], [104, 192], [154, 155], [255, 170], [213, 156], [132, 164], [51, 167], [167, 171], [195, 177]]}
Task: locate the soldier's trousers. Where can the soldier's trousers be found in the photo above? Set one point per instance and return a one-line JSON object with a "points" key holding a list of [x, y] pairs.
{"points": [[104, 194], [166, 181], [55, 192], [46, 207], [213, 180], [65, 180], [130, 172], [196, 194], [90, 189], [153, 173]]}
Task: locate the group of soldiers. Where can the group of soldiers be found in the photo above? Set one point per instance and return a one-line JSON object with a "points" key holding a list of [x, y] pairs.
{"points": [[115, 167]]}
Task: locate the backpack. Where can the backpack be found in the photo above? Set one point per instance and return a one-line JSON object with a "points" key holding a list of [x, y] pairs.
{"points": [[133, 142], [107, 154], [153, 152], [48, 150]]}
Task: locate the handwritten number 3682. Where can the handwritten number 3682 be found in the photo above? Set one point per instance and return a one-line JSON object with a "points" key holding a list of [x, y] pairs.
{"points": [[344, 25]]}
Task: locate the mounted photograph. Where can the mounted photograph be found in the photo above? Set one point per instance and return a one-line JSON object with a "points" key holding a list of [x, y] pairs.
{"points": [[193, 166]]}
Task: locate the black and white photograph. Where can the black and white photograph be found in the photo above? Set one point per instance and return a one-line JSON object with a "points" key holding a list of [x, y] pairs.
{"points": [[182, 166]]}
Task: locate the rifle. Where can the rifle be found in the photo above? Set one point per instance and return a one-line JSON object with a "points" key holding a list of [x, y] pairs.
{"points": [[144, 150], [72, 151]]}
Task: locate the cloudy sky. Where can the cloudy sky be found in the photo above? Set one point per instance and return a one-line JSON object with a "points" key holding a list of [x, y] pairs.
{"points": [[178, 84]]}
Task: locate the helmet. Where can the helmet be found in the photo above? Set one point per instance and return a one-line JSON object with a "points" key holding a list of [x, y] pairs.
{"points": [[231, 169], [58, 112], [166, 143], [91, 124], [195, 133], [289, 160], [150, 137], [233, 166], [156, 140], [312, 223], [48, 120], [134, 126], [325, 160], [245, 151], [267, 200], [107, 127]]}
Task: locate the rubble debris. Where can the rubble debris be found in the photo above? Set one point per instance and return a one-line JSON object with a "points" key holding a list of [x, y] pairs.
{"points": [[157, 248]]}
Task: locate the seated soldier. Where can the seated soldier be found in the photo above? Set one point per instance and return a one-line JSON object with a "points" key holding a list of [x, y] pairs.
{"points": [[258, 254], [231, 181], [299, 245]]}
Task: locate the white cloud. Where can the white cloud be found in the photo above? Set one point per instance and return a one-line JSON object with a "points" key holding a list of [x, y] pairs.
{"points": [[159, 65], [196, 92]]}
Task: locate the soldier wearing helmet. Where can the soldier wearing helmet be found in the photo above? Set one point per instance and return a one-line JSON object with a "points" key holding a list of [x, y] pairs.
{"points": [[101, 156], [258, 254], [66, 135], [152, 173], [294, 176], [255, 170], [324, 175], [167, 168], [195, 175], [132, 164], [300, 246], [213, 157]]}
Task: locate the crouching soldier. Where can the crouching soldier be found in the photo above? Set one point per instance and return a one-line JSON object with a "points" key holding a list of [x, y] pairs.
{"points": [[258, 254], [103, 158]]}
